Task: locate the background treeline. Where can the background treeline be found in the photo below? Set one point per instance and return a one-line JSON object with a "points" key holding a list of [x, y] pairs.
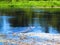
{"points": [[30, 0]]}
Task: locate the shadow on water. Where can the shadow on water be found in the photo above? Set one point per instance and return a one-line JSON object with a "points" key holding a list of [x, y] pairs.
{"points": [[31, 21]]}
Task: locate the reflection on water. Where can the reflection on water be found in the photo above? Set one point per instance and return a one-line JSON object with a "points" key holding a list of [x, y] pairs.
{"points": [[30, 21], [5, 25], [38, 25]]}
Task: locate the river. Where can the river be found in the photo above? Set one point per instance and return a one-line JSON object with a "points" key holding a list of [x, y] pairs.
{"points": [[38, 25]]}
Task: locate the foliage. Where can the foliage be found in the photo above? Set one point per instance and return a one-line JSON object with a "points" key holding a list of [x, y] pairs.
{"points": [[25, 4]]}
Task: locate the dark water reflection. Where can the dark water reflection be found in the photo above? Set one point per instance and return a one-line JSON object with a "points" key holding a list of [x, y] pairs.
{"points": [[33, 23], [38, 25]]}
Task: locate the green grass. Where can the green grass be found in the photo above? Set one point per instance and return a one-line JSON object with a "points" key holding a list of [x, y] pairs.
{"points": [[30, 4]]}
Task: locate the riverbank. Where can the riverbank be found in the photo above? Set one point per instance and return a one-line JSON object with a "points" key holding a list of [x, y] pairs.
{"points": [[25, 4], [33, 39]]}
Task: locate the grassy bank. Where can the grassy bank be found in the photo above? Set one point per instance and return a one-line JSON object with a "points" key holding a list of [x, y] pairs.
{"points": [[27, 4]]}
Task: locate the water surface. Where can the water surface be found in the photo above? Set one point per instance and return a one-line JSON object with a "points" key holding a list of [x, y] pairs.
{"points": [[36, 24]]}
